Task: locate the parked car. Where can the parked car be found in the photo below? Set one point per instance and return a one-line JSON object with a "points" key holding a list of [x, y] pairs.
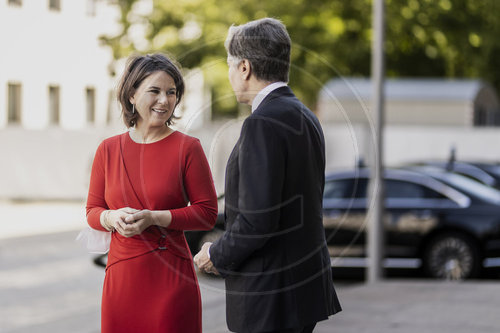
{"points": [[487, 173], [445, 222]]}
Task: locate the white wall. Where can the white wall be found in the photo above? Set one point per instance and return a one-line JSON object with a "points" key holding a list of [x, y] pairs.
{"points": [[407, 112], [47, 164], [403, 144]]}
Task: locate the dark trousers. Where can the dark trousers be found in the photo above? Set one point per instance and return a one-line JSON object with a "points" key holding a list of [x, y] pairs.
{"points": [[305, 329]]}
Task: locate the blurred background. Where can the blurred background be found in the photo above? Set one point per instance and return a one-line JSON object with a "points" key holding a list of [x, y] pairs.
{"points": [[61, 60]]}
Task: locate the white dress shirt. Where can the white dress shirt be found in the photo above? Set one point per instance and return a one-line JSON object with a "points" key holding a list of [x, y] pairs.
{"points": [[264, 92]]}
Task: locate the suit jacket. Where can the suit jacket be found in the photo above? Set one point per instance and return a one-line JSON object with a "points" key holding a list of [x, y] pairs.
{"points": [[273, 254]]}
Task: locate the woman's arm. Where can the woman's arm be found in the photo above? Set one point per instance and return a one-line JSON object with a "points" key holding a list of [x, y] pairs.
{"points": [[96, 204], [199, 187], [99, 217], [200, 190]]}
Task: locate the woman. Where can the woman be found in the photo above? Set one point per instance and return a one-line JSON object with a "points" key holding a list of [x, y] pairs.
{"points": [[140, 187]]}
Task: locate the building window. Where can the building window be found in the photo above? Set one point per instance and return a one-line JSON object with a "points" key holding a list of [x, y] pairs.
{"points": [[91, 7], [14, 103], [54, 105], [90, 102], [55, 5], [15, 2]]}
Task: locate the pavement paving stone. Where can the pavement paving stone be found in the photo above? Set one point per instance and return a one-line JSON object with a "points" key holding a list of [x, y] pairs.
{"points": [[418, 306]]}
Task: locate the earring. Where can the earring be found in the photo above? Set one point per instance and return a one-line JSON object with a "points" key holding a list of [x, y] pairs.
{"points": [[133, 108]]}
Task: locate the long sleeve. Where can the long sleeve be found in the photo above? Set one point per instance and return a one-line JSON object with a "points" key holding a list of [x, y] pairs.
{"points": [[96, 203], [200, 190], [261, 164]]}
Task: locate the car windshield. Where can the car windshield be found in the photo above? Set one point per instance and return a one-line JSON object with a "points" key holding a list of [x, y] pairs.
{"points": [[475, 188], [494, 169]]}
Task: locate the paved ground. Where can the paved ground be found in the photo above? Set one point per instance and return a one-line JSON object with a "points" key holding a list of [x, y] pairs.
{"points": [[48, 284], [418, 307]]}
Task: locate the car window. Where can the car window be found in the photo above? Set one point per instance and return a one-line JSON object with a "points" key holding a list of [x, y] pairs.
{"points": [[337, 189], [398, 189], [479, 190], [345, 188], [493, 169]]}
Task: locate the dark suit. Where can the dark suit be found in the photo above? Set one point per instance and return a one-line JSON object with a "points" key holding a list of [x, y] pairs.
{"points": [[273, 254]]}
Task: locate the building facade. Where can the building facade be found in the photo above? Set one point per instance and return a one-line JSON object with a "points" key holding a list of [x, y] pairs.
{"points": [[412, 102], [53, 70], [55, 89], [424, 118]]}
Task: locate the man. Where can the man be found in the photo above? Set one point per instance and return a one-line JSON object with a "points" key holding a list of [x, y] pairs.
{"points": [[273, 254]]}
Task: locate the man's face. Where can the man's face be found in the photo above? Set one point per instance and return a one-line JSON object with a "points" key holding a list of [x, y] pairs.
{"points": [[235, 78]]}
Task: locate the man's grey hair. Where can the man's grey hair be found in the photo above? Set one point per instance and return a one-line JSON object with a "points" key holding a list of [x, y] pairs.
{"points": [[265, 43]]}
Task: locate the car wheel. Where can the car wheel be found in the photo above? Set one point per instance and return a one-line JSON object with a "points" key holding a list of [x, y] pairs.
{"points": [[452, 256], [210, 236]]}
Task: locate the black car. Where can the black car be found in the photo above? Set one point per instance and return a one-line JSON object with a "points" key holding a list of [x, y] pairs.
{"points": [[487, 173], [447, 223]]}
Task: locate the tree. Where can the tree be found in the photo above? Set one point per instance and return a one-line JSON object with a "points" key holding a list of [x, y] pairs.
{"points": [[438, 38], [444, 39]]}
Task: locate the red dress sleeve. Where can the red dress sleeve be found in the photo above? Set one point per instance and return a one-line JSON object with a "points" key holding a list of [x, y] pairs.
{"points": [[96, 203], [200, 190]]}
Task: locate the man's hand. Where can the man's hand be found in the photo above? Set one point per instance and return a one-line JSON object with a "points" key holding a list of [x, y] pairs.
{"points": [[203, 261]]}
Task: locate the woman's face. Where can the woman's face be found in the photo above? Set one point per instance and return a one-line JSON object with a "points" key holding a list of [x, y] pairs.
{"points": [[154, 99]]}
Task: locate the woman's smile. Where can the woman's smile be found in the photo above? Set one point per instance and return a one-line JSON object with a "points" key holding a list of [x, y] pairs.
{"points": [[160, 110]]}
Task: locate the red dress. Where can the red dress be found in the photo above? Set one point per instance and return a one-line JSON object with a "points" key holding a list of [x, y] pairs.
{"points": [[150, 284]]}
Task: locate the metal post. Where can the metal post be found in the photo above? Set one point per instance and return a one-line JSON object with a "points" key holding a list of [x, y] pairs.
{"points": [[375, 227]]}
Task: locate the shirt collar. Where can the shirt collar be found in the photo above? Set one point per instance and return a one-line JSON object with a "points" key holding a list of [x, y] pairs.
{"points": [[264, 92]]}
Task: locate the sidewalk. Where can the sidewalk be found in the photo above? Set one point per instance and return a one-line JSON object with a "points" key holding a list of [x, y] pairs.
{"points": [[19, 219], [417, 307]]}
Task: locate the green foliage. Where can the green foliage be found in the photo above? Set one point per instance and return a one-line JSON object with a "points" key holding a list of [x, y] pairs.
{"points": [[444, 38], [437, 38]]}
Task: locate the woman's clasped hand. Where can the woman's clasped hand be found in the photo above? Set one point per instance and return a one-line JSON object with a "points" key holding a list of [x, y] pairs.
{"points": [[130, 222]]}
